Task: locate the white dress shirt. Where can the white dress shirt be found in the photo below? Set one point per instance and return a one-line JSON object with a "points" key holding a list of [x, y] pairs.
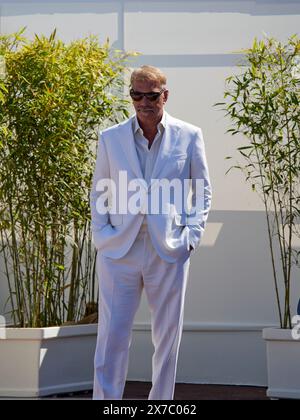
{"points": [[146, 156]]}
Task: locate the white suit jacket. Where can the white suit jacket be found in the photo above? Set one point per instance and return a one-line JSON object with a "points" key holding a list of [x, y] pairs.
{"points": [[182, 156]]}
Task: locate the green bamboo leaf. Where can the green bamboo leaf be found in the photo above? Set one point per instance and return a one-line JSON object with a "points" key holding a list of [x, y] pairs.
{"points": [[54, 101], [263, 105]]}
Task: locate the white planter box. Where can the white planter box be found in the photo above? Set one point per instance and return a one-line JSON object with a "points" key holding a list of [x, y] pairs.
{"points": [[283, 357], [43, 361]]}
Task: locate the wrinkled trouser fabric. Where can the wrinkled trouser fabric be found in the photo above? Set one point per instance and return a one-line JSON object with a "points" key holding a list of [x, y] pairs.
{"points": [[121, 282]]}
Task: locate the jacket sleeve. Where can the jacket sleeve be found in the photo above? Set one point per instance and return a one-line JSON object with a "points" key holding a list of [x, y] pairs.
{"points": [[99, 219], [201, 191]]}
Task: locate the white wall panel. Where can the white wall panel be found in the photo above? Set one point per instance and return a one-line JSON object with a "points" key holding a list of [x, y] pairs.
{"points": [[204, 27], [72, 20]]}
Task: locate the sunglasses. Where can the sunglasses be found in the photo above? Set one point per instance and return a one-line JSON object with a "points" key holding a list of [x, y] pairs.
{"points": [[138, 96]]}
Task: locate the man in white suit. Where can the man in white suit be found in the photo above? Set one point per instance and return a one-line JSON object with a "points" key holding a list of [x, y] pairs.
{"points": [[144, 240]]}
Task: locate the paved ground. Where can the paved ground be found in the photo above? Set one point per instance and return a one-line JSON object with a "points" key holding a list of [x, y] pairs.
{"points": [[140, 391]]}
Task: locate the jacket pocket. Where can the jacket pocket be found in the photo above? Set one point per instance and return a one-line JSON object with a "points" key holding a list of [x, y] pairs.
{"points": [[178, 156], [180, 160], [180, 219]]}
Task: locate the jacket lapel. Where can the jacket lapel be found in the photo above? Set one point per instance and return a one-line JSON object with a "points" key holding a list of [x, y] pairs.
{"points": [[168, 144], [127, 144]]}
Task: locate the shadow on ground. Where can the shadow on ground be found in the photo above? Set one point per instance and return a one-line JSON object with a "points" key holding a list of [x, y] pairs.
{"points": [[140, 391]]}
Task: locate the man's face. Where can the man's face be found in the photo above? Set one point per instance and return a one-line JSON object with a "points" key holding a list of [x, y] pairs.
{"points": [[146, 109]]}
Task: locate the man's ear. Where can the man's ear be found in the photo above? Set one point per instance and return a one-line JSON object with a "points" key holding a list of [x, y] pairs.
{"points": [[166, 95]]}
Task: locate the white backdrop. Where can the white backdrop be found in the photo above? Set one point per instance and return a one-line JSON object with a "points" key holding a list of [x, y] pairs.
{"points": [[230, 295]]}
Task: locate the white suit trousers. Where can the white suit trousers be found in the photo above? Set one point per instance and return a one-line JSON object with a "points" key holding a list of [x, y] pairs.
{"points": [[121, 282]]}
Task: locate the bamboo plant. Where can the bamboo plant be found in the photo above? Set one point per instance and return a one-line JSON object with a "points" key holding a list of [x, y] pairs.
{"points": [[263, 104], [54, 97]]}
